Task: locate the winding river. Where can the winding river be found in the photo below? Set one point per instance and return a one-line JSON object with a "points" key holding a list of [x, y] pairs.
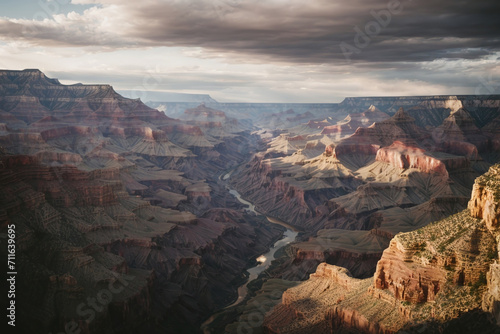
{"points": [[264, 260]]}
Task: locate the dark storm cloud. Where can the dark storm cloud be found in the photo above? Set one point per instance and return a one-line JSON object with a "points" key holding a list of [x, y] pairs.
{"points": [[318, 31], [313, 32]]}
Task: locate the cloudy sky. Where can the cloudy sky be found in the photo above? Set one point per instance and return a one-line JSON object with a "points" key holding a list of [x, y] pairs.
{"points": [[260, 50]]}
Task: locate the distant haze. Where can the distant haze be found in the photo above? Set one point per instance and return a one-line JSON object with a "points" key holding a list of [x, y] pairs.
{"points": [[147, 96]]}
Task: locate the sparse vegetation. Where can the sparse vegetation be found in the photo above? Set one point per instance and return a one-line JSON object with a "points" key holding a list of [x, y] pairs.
{"points": [[492, 254]]}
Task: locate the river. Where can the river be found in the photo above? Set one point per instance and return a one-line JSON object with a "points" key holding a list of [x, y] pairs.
{"points": [[264, 260]]}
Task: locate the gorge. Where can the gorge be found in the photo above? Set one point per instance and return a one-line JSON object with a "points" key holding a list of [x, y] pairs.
{"points": [[389, 208]]}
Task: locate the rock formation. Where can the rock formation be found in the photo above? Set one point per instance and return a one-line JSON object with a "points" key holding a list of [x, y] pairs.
{"points": [[353, 121], [424, 279], [107, 193], [386, 177]]}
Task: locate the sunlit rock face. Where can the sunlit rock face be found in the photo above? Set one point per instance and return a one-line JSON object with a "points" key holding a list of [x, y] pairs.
{"points": [[406, 156], [484, 204], [485, 201], [392, 165], [426, 279], [349, 125]]}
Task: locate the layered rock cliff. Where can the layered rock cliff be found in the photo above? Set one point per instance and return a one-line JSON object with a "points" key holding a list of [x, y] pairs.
{"points": [[387, 176], [431, 110], [349, 125], [105, 192], [424, 280]]}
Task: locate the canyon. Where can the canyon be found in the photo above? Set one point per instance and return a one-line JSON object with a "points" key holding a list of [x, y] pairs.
{"points": [[432, 279], [104, 189], [394, 201]]}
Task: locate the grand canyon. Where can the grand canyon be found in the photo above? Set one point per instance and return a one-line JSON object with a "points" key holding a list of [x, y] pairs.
{"points": [[372, 215]]}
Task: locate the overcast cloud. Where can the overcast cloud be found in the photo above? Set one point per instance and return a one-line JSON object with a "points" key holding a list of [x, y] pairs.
{"points": [[416, 42]]}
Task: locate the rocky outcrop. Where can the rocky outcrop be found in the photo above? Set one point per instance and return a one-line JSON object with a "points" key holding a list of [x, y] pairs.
{"points": [[405, 156], [460, 127], [329, 301], [353, 121], [484, 204], [432, 274], [485, 200], [464, 250], [415, 286], [373, 179]]}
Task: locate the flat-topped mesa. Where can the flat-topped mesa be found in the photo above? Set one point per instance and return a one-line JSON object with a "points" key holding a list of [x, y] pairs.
{"points": [[204, 112], [31, 96], [34, 76], [460, 148], [395, 102], [405, 156], [430, 111]]}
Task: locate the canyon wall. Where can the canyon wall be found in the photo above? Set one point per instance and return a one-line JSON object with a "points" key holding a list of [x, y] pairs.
{"points": [[424, 280], [107, 193]]}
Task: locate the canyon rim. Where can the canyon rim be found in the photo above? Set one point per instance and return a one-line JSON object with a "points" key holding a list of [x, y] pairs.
{"points": [[237, 166]]}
